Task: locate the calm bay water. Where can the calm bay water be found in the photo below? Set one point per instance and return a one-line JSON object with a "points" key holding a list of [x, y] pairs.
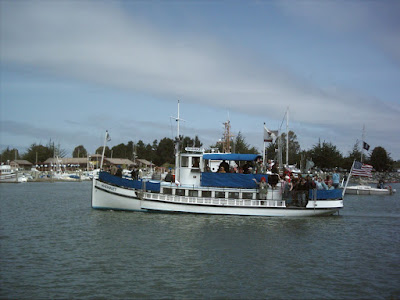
{"points": [[54, 245]]}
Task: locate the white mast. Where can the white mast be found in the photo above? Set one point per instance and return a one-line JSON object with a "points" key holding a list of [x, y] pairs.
{"points": [[362, 142], [287, 137], [264, 161], [104, 148], [177, 145]]}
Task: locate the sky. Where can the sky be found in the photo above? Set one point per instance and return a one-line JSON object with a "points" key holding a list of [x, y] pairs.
{"points": [[69, 70]]}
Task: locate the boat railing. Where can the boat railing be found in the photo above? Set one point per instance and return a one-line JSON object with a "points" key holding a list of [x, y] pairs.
{"points": [[214, 201]]}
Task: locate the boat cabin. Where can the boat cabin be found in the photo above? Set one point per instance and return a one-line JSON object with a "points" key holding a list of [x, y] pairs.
{"points": [[195, 170]]}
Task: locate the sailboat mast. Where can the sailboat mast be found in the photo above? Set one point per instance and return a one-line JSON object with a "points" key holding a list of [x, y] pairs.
{"points": [[177, 130], [104, 149], [287, 137], [362, 143], [177, 166]]}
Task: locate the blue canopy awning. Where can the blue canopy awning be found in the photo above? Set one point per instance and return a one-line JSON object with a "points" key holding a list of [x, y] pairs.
{"points": [[231, 156]]}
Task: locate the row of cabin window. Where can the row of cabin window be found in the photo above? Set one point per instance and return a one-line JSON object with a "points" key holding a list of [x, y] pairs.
{"points": [[208, 194], [195, 162]]}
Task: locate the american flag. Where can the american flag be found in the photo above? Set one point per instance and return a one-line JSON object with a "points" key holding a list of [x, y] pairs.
{"points": [[360, 169]]}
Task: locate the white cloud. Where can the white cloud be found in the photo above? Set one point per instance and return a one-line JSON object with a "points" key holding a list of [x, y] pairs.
{"points": [[101, 43]]}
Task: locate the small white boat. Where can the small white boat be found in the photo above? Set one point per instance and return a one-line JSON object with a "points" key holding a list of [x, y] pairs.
{"points": [[368, 190], [9, 175]]}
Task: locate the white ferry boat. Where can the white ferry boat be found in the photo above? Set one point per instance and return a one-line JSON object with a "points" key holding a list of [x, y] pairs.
{"points": [[204, 192], [196, 189]]}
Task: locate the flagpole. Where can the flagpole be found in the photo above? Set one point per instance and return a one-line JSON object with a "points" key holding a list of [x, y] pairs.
{"points": [[264, 145], [362, 146], [104, 148], [287, 136], [348, 179]]}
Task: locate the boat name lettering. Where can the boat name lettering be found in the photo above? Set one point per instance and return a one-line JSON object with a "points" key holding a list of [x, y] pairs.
{"points": [[107, 187]]}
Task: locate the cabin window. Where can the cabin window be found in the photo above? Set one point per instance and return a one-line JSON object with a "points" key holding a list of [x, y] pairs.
{"points": [[219, 194], [206, 194], [180, 192], [185, 161], [195, 162], [233, 195], [193, 193], [247, 195], [167, 191]]}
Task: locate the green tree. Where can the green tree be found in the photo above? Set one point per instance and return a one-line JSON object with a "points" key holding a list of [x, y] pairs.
{"points": [[140, 148], [294, 148], [189, 142], [165, 152], [355, 154], [120, 151], [38, 153], [326, 155], [272, 151], [150, 153], [381, 160], [9, 154], [240, 145], [79, 151], [130, 150], [107, 152]]}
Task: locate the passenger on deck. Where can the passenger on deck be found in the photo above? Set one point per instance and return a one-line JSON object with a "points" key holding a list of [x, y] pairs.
{"points": [[169, 177], [262, 188], [310, 183], [275, 168], [287, 190], [330, 186], [381, 184], [113, 170], [328, 179], [302, 192], [269, 165], [225, 165], [335, 179], [246, 168], [259, 166], [320, 184], [118, 173], [273, 180], [221, 170], [295, 187], [134, 174]]}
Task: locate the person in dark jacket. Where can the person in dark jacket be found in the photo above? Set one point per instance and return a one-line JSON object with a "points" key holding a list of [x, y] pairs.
{"points": [[302, 190], [119, 172]]}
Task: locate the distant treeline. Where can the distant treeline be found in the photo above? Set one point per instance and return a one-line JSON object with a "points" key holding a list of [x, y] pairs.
{"points": [[324, 155]]}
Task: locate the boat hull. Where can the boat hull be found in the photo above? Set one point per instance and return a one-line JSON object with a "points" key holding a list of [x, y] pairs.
{"points": [[110, 197], [367, 190], [12, 178], [152, 205]]}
